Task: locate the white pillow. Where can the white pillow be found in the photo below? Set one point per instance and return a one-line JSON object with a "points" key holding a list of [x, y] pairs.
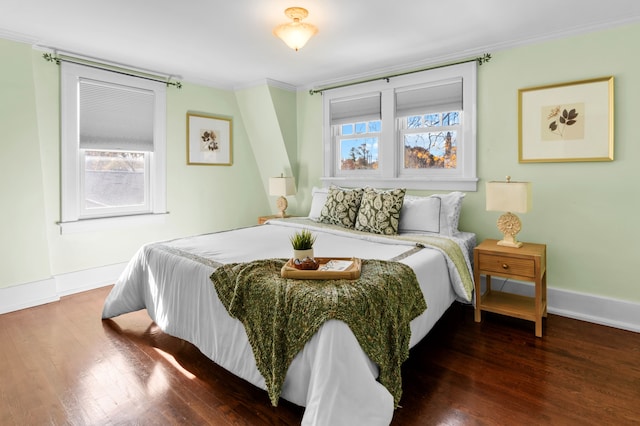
{"points": [[318, 199], [450, 212], [420, 214], [425, 214]]}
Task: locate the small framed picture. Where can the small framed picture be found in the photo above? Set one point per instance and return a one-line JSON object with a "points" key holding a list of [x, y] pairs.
{"points": [[566, 122], [209, 140]]}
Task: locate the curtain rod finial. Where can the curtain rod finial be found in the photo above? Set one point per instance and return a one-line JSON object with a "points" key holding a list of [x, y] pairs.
{"points": [[50, 58], [484, 58]]}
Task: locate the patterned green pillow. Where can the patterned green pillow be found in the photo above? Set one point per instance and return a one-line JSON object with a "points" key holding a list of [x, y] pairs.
{"points": [[380, 211], [341, 207]]}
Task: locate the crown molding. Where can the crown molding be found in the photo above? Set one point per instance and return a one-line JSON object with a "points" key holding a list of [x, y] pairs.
{"points": [[19, 37], [268, 82]]}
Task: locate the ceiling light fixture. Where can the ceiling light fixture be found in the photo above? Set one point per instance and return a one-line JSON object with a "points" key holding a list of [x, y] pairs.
{"points": [[295, 34]]}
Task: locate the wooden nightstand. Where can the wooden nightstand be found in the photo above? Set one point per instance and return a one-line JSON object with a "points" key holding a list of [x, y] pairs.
{"points": [[527, 263], [263, 219]]}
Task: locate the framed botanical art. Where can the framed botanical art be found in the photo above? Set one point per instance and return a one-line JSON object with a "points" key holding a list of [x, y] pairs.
{"points": [[209, 139], [566, 122]]}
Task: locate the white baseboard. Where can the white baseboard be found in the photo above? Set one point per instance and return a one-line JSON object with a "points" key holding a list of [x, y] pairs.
{"points": [[50, 290], [89, 279], [586, 307], [28, 295], [582, 306]]}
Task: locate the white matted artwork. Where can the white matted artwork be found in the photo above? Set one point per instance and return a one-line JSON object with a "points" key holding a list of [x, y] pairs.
{"points": [[209, 139], [566, 122]]}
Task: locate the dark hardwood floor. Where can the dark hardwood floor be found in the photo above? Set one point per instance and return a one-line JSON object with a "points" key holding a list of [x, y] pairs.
{"points": [[62, 365]]}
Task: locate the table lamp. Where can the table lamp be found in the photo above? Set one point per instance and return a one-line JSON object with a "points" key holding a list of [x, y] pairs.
{"points": [[282, 186], [509, 197]]}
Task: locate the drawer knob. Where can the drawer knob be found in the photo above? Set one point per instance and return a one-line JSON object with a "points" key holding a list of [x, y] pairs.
{"points": [[505, 266]]}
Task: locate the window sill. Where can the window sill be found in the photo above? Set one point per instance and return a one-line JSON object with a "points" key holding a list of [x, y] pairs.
{"points": [[110, 223], [462, 184]]}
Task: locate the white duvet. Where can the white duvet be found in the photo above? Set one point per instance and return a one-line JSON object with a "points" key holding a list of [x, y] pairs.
{"points": [[332, 376]]}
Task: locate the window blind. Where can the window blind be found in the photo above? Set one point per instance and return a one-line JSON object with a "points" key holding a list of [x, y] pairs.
{"points": [[357, 109], [115, 117], [437, 98]]}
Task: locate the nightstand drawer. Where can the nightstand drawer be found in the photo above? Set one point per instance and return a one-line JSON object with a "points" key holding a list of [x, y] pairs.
{"points": [[507, 265]]}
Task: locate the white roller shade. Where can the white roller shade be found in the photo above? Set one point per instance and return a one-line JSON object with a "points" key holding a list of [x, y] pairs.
{"points": [[115, 117], [437, 98], [366, 108]]}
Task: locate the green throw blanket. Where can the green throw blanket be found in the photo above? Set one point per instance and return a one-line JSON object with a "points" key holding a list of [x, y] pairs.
{"points": [[280, 315]]}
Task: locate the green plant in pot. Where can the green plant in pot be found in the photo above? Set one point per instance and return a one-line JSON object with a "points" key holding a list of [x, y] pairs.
{"points": [[302, 243]]}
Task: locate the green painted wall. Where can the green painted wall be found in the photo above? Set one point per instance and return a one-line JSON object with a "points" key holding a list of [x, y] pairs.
{"points": [[285, 104], [269, 116], [24, 253], [585, 212], [200, 199]]}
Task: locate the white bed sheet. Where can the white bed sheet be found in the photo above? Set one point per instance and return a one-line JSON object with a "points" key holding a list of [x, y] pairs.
{"points": [[332, 376]]}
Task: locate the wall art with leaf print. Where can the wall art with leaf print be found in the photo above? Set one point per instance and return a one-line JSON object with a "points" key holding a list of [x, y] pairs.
{"points": [[209, 139], [566, 122]]}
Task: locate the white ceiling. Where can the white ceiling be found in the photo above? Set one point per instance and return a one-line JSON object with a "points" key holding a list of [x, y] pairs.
{"points": [[229, 44]]}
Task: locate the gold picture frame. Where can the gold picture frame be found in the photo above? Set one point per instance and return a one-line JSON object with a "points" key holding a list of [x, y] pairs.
{"points": [[566, 122], [209, 139]]}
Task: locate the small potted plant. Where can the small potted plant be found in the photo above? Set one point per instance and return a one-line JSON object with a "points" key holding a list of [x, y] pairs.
{"points": [[302, 243]]}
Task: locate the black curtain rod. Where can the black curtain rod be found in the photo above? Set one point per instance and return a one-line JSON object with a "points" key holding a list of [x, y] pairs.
{"points": [[480, 60], [57, 59]]}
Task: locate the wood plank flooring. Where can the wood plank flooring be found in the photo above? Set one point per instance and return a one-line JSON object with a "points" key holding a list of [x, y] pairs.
{"points": [[62, 365]]}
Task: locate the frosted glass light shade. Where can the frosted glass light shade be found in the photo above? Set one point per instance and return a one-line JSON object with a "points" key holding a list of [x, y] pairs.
{"points": [[295, 34]]}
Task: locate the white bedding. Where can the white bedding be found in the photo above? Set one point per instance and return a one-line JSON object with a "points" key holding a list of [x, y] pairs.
{"points": [[332, 376]]}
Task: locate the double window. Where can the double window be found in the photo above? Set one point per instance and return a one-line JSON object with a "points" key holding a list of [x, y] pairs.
{"points": [[416, 131], [113, 145]]}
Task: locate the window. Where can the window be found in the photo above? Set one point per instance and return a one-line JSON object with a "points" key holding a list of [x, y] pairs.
{"points": [[356, 125], [415, 131], [358, 145], [113, 145]]}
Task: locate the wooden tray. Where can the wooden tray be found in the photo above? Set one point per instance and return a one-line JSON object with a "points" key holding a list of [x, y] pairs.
{"points": [[353, 272]]}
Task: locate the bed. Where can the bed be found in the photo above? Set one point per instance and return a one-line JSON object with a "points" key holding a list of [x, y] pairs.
{"points": [[332, 377]]}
